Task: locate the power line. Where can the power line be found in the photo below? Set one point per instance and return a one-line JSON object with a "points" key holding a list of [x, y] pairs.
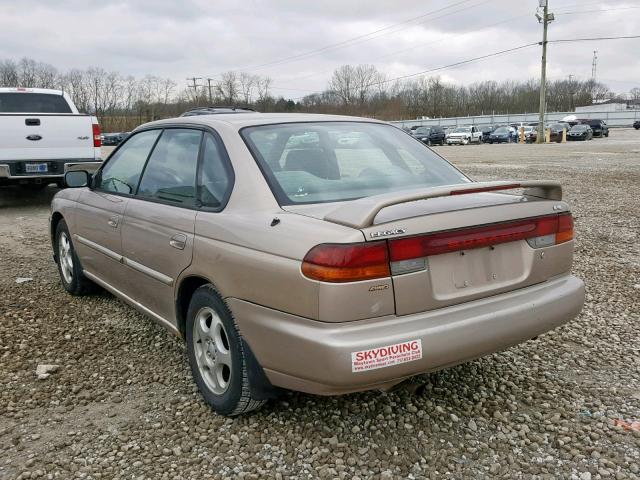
{"points": [[463, 62], [443, 39], [579, 12], [589, 39], [357, 39], [444, 67]]}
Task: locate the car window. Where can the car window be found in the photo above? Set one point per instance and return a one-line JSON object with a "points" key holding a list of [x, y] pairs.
{"points": [[170, 174], [122, 171], [376, 159], [215, 181]]}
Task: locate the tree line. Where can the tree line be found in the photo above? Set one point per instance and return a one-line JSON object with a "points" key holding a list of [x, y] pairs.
{"points": [[122, 102]]}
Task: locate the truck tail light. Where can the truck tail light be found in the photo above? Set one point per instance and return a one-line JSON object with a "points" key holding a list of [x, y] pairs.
{"points": [[539, 232], [97, 141], [349, 262]]}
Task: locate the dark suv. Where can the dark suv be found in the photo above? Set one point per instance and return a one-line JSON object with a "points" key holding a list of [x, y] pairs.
{"points": [[430, 135], [636, 124], [599, 127]]}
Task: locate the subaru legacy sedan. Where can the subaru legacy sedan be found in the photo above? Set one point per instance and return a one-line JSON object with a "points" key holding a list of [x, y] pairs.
{"points": [[323, 254]]}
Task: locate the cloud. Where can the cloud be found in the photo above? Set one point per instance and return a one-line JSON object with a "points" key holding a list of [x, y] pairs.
{"points": [[203, 38]]}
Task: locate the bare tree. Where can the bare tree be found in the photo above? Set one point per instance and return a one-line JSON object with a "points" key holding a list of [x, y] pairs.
{"points": [[247, 84], [227, 87]]}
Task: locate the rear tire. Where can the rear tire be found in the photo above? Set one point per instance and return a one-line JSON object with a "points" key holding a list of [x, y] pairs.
{"points": [[69, 268], [216, 355]]}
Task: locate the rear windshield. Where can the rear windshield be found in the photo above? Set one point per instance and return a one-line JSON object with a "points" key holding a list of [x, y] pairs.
{"points": [[336, 161], [24, 102]]}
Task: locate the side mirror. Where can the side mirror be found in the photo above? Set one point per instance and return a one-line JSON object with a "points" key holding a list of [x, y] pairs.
{"points": [[77, 178]]}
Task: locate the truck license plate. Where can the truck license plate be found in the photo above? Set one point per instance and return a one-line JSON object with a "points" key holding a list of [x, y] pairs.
{"points": [[36, 168]]}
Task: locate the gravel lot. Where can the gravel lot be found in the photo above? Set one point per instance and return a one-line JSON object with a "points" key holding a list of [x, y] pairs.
{"points": [[122, 403]]}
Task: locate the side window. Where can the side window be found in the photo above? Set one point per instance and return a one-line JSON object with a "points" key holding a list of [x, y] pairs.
{"points": [[215, 181], [170, 174], [122, 171]]}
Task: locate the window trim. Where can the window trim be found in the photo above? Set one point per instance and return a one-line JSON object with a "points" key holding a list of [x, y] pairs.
{"points": [[97, 177], [224, 155], [226, 165], [196, 204], [276, 189]]}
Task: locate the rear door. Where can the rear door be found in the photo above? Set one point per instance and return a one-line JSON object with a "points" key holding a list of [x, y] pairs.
{"points": [[158, 229], [100, 210]]}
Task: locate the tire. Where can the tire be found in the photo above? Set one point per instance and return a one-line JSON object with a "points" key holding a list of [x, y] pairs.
{"points": [[69, 268], [215, 349]]}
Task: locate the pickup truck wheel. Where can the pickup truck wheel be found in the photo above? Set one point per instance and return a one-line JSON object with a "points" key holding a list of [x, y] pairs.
{"points": [[218, 362], [71, 276]]}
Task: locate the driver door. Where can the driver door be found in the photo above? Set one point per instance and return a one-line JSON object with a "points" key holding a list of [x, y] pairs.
{"points": [[100, 210]]}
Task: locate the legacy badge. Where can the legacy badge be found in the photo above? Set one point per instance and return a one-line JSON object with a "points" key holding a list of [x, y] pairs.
{"points": [[387, 233]]}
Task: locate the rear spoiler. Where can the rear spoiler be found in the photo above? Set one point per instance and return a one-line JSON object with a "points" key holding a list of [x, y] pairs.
{"points": [[361, 213]]}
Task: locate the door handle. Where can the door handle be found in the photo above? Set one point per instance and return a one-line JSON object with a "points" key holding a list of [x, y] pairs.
{"points": [[113, 221], [179, 241]]}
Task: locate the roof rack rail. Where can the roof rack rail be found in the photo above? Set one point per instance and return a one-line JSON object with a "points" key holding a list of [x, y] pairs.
{"points": [[217, 109]]}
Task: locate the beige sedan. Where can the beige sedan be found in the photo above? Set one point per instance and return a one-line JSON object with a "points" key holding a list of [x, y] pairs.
{"points": [[323, 254]]}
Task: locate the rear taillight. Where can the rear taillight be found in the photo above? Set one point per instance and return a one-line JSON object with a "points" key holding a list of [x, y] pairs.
{"points": [[365, 261], [347, 262], [553, 229], [97, 140]]}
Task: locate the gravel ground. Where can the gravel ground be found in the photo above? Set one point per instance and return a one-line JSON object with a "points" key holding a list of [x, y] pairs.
{"points": [[122, 403]]}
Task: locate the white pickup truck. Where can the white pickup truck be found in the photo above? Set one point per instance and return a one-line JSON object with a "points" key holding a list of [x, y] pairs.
{"points": [[465, 135], [42, 136]]}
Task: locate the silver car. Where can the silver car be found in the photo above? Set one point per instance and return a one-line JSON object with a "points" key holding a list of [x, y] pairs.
{"points": [[323, 254]]}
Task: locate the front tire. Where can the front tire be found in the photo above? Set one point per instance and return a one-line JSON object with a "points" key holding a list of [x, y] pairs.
{"points": [[216, 355], [69, 268]]}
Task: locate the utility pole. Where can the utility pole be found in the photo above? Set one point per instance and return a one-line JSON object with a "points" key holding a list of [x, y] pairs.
{"points": [[571, 92], [209, 84], [195, 87], [594, 64], [545, 19]]}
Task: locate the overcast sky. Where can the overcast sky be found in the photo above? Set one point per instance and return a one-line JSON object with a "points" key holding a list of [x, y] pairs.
{"points": [[185, 38]]}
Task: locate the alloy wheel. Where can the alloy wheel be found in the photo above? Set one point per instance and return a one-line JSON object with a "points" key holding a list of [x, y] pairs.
{"points": [[211, 345], [65, 257]]}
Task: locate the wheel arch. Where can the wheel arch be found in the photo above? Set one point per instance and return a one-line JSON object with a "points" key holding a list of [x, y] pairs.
{"points": [[56, 217], [187, 286]]}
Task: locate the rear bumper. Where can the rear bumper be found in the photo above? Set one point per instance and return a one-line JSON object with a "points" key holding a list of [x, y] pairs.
{"points": [[15, 170], [315, 357]]}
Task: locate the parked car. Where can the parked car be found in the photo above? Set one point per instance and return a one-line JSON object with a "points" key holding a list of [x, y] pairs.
{"points": [[314, 266], [501, 135], [112, 139], [486, 132], [556, 131], [42, 135], [430, 135], [636, 124], [599, 127], [580, 132], [464, 136]]}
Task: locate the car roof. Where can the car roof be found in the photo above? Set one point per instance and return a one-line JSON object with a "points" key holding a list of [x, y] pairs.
{"points": [[254, 119]]}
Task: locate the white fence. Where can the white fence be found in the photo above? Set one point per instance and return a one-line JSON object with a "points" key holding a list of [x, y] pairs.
{"points": [[613, 119]]}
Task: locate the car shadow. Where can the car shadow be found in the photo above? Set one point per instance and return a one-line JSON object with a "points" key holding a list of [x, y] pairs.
{"points": [[19, 197]]}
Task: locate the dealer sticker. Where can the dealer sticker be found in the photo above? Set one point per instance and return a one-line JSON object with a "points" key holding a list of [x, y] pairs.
{"points": [[386, 356]]}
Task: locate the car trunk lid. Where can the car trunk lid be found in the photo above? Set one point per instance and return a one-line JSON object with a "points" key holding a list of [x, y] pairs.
{"points": [[479, 242]]}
